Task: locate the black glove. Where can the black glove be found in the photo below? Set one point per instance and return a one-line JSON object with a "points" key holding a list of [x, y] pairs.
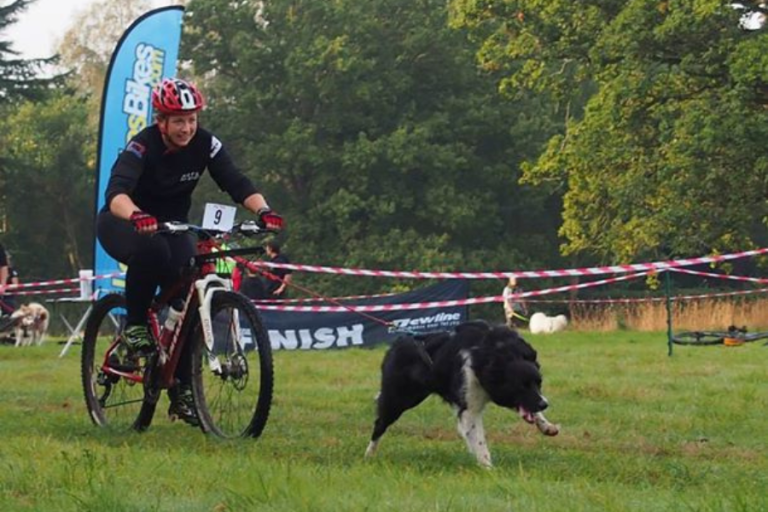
{"points": [[143, 222], [269, 220]]}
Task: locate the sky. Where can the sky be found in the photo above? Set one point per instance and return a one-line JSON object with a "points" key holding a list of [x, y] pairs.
{"points": [[45, 22]]}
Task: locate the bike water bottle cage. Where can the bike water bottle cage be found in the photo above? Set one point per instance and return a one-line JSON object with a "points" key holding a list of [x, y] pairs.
{"points": [[175, 312]]}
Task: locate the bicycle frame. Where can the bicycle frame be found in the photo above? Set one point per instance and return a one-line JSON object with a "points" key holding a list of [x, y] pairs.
{"points": [[199, 294]]}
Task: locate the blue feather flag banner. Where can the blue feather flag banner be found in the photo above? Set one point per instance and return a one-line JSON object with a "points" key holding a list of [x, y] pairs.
{"points": [[146, 53]]}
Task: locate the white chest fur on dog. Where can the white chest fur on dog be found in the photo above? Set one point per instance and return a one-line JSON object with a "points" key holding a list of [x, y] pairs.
{"points": [[543, 324], [471, 419], [31, 324]]}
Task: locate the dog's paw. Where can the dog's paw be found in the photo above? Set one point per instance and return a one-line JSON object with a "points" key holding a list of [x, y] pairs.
{"points": [[550, 429], [371, 450], [544, 426], [485, 464]]}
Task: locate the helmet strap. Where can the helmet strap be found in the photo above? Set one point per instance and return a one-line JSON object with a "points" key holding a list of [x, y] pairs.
{"points": [[164, 135], [162, 124], [168, 143]]}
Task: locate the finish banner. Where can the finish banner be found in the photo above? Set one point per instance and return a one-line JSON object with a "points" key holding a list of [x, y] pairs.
{"points": [[146, 53], [290, 330]]}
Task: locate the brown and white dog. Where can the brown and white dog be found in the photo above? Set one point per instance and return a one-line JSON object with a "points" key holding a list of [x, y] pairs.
{"points": [[31, 324]]}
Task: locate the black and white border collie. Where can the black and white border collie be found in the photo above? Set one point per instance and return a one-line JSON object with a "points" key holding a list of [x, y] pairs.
{"points": [[468, 368]]}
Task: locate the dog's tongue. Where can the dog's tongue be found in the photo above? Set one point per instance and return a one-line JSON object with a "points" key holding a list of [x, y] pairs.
{"points": [[527, 416]]}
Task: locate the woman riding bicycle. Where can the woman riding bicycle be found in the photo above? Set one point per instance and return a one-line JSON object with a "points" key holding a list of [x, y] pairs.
{"points": [[152, 181]]}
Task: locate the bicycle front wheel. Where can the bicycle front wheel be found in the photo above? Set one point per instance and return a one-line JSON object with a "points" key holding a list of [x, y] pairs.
{"points": [[232, 380], [699, 338], [112, 397]]}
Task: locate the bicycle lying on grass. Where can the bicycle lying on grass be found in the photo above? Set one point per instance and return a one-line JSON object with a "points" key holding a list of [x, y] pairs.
{"points": [[733, 336], [228, 354]]}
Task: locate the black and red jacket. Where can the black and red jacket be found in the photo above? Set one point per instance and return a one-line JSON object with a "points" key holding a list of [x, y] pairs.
{"points": [[161, 181]]}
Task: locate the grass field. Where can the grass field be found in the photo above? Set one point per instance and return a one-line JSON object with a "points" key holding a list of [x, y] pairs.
{"points": [[640, 431]]}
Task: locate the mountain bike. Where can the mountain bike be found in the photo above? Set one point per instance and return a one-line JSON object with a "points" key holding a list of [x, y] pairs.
{"points": [[219, 341], [733, 336]]}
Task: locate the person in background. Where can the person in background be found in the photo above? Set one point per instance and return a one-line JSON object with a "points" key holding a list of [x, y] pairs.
{"points": [[13, 279], [276, 289], [515, 309], [5, 275], [251, 285]]}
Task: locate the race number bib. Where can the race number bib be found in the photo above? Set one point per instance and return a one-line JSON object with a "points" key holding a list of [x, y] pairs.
{"points": [[219, 217]]}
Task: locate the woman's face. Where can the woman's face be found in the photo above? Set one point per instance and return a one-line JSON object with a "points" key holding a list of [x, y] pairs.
{"points": [[179, 128]]}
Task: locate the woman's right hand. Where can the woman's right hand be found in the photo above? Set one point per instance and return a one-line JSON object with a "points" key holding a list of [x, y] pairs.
{"points": [[268, 219], [143, 223]]}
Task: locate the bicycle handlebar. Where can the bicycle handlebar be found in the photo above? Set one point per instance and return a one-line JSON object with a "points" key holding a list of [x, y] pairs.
{"points": [[247, 227]]}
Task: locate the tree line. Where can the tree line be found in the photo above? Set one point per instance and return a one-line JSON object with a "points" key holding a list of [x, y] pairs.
{"points": [[424, 134]]}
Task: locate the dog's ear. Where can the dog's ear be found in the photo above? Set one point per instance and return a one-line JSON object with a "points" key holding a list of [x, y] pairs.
{"points": [[498, 337], [509, 342], [501, 334], [526, 351]]}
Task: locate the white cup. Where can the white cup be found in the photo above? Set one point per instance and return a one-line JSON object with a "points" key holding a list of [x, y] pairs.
{"points": [[86, 284]]}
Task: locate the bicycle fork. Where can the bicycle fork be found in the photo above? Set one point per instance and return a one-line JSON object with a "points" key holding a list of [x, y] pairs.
{"points": [[206, 288]]}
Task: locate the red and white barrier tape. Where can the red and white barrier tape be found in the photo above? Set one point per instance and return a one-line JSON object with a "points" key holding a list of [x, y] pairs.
{"points": [[46, 292], [268, 304], [61, 281], [720, 276], [321, 299], [446, 303], [304, 300], [721, 294], [651, 299], [537, 301], [591, 271]]}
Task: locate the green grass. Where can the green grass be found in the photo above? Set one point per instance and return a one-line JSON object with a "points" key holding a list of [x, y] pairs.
{"points": [[640, 431]]}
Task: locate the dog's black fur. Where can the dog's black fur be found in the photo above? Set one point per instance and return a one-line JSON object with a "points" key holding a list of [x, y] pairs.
{"points": [[468, 368]]}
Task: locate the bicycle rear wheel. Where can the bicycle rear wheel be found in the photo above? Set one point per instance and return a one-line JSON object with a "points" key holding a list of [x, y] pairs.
{"points": [[232, 381], [699, 338], [112, 400]]}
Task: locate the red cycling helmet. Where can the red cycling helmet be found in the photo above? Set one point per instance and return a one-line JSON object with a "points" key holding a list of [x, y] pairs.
{"points": [[176, 96]]}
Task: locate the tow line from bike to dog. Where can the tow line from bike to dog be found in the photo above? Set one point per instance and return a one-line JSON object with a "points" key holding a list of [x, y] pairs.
{"points": [[391, 326]]}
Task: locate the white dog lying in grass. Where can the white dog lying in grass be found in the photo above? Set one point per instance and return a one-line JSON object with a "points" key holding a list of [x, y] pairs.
{"points": [[31, 324], [543, 324]]}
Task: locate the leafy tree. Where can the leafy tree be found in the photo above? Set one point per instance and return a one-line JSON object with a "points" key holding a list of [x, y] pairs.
{"points": [[49, 192], [87, 47], [668, 156], [369, 125], [48, 169], [19, 78]]}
